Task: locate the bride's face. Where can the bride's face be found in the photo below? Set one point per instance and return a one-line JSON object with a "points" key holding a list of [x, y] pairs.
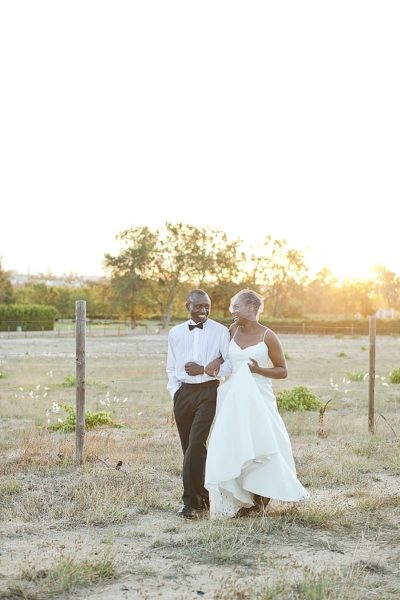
{"points": [[242, 312]]}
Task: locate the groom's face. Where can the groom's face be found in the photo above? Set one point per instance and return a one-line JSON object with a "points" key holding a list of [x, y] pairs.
{"points": [[199, 306]]}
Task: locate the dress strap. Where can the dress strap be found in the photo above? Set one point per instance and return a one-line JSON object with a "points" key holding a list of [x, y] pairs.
{"points": [[265, 333], [233, 337]]}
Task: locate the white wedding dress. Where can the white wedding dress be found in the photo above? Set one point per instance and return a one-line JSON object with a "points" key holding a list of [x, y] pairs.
{"points": [[249, 450]]}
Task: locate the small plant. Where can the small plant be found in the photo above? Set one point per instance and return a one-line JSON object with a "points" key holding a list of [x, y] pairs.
{"points": [[299, 398], [394, 376], [287, 356], [92, 420], [321, 430], [356, 376], [363, 348], [69, 381], [3, 374], [341, 355]]}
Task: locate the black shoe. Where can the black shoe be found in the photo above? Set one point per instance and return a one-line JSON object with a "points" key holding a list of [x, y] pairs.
{"points": [[188, 512]]}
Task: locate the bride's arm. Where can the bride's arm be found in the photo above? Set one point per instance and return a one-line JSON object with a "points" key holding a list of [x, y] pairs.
{"points": [[276, 354]]}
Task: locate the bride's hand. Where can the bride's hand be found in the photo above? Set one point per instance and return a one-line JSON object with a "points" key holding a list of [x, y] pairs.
{"points": [[254, 366], [213, 367]]}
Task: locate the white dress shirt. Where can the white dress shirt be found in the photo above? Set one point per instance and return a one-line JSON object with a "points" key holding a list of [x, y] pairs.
{"points": [[200, 346]]}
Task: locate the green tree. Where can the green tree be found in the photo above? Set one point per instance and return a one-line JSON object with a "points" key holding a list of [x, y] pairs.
{"points": [[279, 273], [131, 269], [35, 293], [357, 296], [155, 269], [6, 288], [321, 293], [387, 286], [188, 256]]}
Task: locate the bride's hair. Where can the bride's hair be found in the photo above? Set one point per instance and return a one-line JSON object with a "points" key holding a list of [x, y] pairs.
{"points": [[249, 298]]}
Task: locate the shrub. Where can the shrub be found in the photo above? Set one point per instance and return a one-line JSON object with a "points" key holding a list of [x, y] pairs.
{"points": [[92, 420], [298, 398], [3, 374], [394, 376]]}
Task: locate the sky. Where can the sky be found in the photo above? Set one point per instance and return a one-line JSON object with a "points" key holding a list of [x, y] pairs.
{"points": [[256, 118]]}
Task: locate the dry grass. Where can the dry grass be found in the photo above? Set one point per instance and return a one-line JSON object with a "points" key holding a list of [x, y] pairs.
{"points": [[326, 548], [67, 574]]}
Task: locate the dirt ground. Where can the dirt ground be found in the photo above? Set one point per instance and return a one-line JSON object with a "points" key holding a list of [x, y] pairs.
{"points": [[99, 533]]}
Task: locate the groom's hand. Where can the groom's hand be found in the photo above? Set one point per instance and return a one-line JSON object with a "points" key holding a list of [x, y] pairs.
{"points": [[193, 369]]}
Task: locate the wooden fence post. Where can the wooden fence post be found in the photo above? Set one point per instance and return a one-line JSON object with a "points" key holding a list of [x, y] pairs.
{"points": [[371, 381], [80, 317]]}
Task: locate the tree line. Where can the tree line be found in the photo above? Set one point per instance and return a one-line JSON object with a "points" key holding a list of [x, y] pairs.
{"points": [[154, 269]]}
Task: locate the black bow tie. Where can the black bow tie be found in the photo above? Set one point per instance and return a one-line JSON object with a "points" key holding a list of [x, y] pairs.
{"points": [[199, 325]]}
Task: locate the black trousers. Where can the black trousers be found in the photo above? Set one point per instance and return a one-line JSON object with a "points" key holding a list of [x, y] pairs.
{"points": [[194, 410]]}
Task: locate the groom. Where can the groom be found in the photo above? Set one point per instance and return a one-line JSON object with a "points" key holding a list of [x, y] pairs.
{"points": [[192, 346]]}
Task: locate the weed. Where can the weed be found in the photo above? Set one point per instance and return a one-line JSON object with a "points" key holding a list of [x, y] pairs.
{"points": [[323, 517], [368, 447], [10, 487], [226, 542], [69, 381], [394, 376], [65, 575], [321, 430], [356, 376]]}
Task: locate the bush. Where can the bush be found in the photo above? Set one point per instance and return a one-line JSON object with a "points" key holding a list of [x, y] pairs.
{"points": [[394, 376], [92, 420], [298, 398]]}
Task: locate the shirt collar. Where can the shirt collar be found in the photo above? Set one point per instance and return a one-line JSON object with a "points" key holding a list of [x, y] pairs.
{"points": [[191, 322]]}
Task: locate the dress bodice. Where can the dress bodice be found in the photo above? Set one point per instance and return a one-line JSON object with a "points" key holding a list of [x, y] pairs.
{"points": [[238, 356]]}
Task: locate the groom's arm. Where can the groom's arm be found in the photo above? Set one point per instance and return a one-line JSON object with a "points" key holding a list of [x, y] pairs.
{"points": [[220, 366]]}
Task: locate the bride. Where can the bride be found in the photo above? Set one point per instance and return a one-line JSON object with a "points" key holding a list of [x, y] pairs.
{"points": [[249, 458]]}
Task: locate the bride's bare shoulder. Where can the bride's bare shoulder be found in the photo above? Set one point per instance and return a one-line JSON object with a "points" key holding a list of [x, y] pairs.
{"points": [[233, 329]]}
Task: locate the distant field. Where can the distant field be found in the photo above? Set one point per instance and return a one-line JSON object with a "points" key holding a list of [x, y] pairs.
{"points": [[108, 533]]}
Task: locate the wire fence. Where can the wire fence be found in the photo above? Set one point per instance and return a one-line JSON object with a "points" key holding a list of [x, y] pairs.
{"points": [[33, 329]]}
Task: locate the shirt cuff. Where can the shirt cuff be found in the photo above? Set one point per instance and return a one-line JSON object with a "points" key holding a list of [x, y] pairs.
{"points": [[173, 391]]}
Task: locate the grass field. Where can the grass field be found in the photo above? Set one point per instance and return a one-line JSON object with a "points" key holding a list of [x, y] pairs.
{"points": [[100, 533]]}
